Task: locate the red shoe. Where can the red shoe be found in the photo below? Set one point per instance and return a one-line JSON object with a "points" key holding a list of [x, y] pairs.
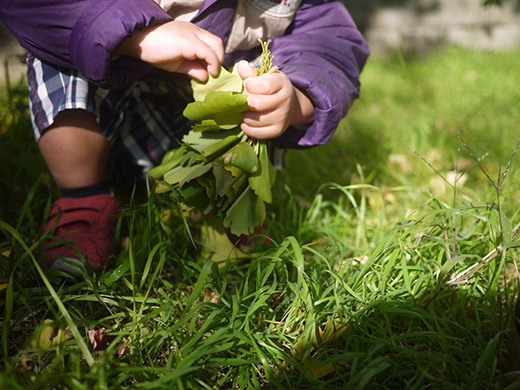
{"points": [[86, 229]]}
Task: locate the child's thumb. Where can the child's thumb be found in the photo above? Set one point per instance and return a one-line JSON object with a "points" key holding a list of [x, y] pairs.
{"points": [[245, 70]]}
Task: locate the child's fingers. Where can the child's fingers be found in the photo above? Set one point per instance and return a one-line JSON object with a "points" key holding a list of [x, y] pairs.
{"points": [[264, 103], [266, 84], [269, 101], [196, 61], [194, 69], [175, 45], [258, 120], [264, 132], [201, 51], [245, 70], [211, 50], [214, 42]]}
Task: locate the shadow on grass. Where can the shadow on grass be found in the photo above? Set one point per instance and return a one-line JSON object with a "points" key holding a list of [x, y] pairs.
{"points": [[351, 150]]}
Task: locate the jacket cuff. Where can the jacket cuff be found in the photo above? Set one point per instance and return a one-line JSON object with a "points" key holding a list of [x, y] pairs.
{"points": [[332, 94]]}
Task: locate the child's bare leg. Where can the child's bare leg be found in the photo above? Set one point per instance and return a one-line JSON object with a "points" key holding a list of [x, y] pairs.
{"points": [[77, 153], [75, 150]]}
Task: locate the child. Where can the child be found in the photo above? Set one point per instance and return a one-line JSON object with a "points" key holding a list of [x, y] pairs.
{"points": [[107, 81]]}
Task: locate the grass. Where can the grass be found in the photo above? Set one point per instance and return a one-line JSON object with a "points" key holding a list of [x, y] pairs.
{"points": [[379, 274]]}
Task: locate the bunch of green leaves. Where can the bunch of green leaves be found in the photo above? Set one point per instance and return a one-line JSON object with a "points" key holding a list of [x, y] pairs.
{"points": [[217, 167]]}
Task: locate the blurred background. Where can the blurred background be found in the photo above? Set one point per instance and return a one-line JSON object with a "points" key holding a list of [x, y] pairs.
{"points": [[420, 25]]}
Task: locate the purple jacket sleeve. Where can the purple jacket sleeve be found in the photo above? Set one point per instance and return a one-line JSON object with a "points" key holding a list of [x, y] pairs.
{"points": [[322, 53], [83, 34]]}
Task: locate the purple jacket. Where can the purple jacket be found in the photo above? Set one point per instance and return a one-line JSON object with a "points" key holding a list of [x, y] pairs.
{"points": [[322, 51]]}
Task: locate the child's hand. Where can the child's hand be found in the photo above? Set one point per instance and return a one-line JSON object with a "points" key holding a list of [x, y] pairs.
{"points": [[176, 46], [275, 104]]}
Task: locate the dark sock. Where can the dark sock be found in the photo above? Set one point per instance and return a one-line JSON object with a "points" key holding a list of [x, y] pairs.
{"points": [[80, 192]]}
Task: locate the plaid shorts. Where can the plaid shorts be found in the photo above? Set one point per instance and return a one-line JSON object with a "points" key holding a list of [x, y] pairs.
{"points": [[142, 121]]}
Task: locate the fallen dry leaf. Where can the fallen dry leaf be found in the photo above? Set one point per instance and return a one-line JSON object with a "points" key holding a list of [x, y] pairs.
{"points": [[98, 338], [210, 296], [330, 332]]}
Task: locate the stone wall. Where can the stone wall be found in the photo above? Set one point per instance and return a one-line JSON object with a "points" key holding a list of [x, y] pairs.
{"points": [[419, 25]]}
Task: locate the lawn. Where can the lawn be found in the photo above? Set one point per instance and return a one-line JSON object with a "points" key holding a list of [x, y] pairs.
{"points": [[390, 261]]}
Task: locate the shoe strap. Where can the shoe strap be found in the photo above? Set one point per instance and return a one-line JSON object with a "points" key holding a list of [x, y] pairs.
{"points": [[88, 211]]}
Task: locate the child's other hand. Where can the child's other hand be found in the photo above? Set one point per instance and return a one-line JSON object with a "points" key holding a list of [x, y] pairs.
{"points": [[177, 46], [275, 104]]}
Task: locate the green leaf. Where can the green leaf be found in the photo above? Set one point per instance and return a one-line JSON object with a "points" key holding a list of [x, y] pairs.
{"points": [[245, 213], [181, 175], [507, 230], [199, 140], [219, 147], [262, 181], [222, 177], [192, 159], [236, 187], [223, 107], [235, 171], [171, 160], [194, 195], [224, 81], [208, 182], [168, 156], [242, 156], [209, 125], [513, 244], [222, 203]]}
